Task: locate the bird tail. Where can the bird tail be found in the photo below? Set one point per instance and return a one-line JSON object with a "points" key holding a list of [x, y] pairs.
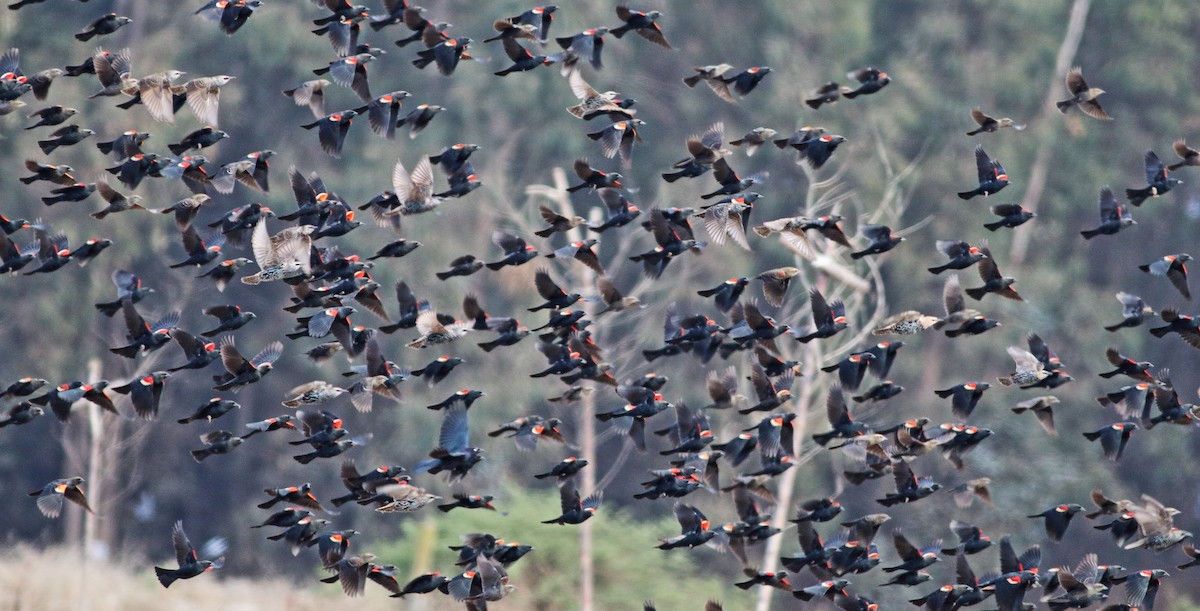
{"points": [[47, 145], [974, 131], [977, 293], [967, 194], [993, 226], [619, 31], [304, 459], [1113, 328], [824, 438], [1160, 331], [1089, 233], [814, 103], [1092, 436], [1063, 106], [440, 275], [939, 269], [1137, 196], [251, 280], [1005, 381], [197, 455], [165, 576]]}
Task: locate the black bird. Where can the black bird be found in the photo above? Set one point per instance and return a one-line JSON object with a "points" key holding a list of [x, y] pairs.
{"points": [[908, 487], [1113, 217], [1174, 268], [1011, 215], [992, 177], [64, 136], [574, 509], [871, 80], [993, 280], [521, 57], [1057, 519], [964, 397], [961, 254], [1158, 181], [454, 453], [1134, 311], [828, 318], [881, 239], [189, 563], [644, 23], [105, 24], [745, 81]]}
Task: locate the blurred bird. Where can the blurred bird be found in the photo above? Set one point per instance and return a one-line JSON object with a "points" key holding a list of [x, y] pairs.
{"points": [[1082, 96]]}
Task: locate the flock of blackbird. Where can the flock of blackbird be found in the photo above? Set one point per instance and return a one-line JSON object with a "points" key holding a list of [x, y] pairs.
{"points": [[293, 254]]}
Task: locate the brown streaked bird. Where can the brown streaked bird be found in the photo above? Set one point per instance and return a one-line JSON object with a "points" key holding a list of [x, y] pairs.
{"points": [[775, 283], [1043, 410], [117, 201], [1082, 96], [991, 124], [1189, 156], [155, 93], [966, 492], [909, 322], [729, 217], [433, 332], [713, 77], [754, 139], [1028, 368], [310, 94], [204, 96], [592, 102], [614, 300]]}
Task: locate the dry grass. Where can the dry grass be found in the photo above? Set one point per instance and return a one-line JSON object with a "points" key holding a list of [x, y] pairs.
{"points": [[59, 580]]}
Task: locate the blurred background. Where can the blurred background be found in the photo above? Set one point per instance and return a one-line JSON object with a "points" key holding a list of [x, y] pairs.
{"points": [[905, 157]]}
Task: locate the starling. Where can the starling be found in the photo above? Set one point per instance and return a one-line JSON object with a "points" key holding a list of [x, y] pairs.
{"points": [[909, 322], [1028, 369], [1082, 96]]}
